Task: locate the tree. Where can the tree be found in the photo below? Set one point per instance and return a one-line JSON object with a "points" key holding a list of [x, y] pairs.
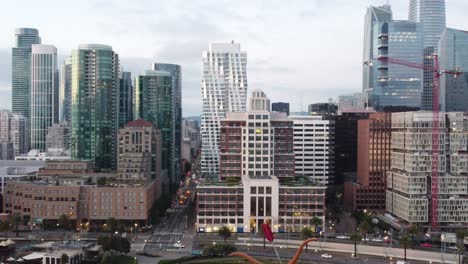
{"points": [[355, 237], [224, 232], [316, 222], [5, 227], [364, 228], [111, 224], [413, 231], [116, 243], [305, 234], [16, 219], [64, 258], [102, 181], [64, 221], [405, 242], [461, 234]]}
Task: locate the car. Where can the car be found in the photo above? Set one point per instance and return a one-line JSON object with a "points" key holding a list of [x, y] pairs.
{"points": [[365, 239], [426, 245], [342, 237], [377, 239], [328, 256], [196, 253], [179, 245]]}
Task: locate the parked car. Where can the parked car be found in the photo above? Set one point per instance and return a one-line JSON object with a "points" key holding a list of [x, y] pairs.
{"points": [[328, 256], [342, 237], [426, 245], [196, 253], [377, 239]]}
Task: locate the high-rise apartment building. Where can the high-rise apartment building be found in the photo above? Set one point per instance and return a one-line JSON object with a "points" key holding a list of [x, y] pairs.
{"points": [[280, 107], [125, 98], [6, 151], [453, 53], [139, 152], [58, 136], [65, 107], [176, 74], [153, 102], [314, 141], [431, 16], [257, 142], [44, 93], [224, 89], [21, 73], [95, 105], [409, 192], [13, 130], [367, 192]]}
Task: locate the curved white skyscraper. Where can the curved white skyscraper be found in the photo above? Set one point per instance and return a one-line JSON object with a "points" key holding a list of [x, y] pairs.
{"points": [[431, 15], [44, 93], [224, 89]]}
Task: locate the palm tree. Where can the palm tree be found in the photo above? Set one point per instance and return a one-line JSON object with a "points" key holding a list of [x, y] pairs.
{"points": [[364, 228], [413, 231], [355, 237], [316, 222], [406, 242], [305, 234], [16, 219], [64, 259], [224, 232], [461, 234]]}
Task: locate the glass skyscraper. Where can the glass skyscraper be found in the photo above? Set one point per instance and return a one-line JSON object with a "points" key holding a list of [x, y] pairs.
{"points": [[224, 89], [176, 74], [125, 98], [431, 15], [21, 73], [65, 90], [453, 52], [388, 84], [153, 102], [95, 105], [44, 93]]}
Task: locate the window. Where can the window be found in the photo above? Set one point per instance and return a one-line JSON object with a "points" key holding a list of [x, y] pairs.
{"points": [[253, 190]]}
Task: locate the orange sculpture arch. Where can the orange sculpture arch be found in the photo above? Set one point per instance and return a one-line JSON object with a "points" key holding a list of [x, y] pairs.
{"points": [[294, 260]]}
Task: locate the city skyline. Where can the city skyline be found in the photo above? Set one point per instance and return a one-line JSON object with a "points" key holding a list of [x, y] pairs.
{"points": [[283, 47]]}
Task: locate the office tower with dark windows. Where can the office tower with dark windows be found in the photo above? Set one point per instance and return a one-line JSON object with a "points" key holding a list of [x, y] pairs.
{"points": [[280, 107], [65, 108], [153, 102], [431, 16], [95, 105], [44, 93], [453, 52], [176, 74], [21, 73], [326, 110], [224, 89], [125, 98]]}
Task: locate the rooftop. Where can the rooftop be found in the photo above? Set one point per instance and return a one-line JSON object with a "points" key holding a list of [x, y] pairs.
{"points": [[139, 123]]}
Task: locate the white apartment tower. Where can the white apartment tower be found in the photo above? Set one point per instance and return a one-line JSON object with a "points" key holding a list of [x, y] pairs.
{"points": [[13, 130], [44, 93], [409, 179], [314, 141], [224, 89]]}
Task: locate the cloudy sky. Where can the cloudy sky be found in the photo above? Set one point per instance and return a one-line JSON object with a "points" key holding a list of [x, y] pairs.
{"points": [[299, 51]]}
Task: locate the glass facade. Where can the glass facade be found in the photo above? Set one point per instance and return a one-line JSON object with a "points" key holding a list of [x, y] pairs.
{"points": [[153, 102], [375, 17], [453, 52], [431, 15], [125, 99], [176, 74], [95, 94], [398, 85], [21, 73], [65, 91], [44, 93]]}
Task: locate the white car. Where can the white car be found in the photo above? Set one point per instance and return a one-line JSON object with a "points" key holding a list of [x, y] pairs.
{"points": [[377, 239], [179, 245], [328, 256], [342, 237]]}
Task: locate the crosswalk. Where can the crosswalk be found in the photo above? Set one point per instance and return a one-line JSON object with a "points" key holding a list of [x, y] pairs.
{"points": [[163, 233]]}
